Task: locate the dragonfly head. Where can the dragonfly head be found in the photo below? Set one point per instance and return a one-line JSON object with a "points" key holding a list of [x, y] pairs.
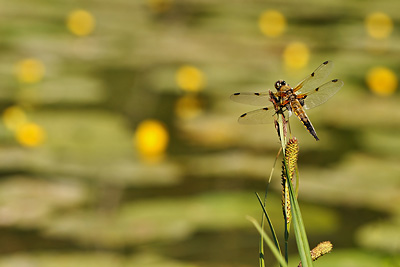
{"points": [[279, 84]]}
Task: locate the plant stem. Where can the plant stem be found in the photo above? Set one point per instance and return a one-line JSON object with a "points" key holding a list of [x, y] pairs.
{"points": [[299, 229]]}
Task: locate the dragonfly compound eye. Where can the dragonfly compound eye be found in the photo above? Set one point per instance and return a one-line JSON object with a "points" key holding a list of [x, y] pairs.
{"points": [[279, 84]]}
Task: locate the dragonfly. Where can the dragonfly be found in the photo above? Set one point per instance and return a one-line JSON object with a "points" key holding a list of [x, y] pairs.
{"points": [[307, 94]]}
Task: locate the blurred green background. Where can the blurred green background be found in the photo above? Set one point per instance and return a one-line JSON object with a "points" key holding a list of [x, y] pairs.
{"points": [[120, 145]]}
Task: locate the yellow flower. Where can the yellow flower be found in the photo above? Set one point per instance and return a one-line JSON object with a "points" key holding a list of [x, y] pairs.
{"points": [[190, 78], [382, 81], [151, 140], [272, 23], [188, 106], [379, 25], [30, 135], [13, 117], [30, 70], [296, 55], [80, 22]]}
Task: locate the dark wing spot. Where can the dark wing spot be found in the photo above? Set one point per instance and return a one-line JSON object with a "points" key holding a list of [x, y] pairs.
{"points": [[257, 93], [312, 74], [236, 94], [326, 62], [265, 108], [335, 80], [241, 116], [316, 89]]}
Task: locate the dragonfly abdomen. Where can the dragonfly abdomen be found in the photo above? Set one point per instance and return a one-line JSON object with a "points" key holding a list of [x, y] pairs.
{"points": [[301, 114]]}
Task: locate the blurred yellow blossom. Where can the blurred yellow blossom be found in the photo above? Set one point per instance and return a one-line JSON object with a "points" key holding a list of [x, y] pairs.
{"points": [[151, 140], [188, 106], [14, 117], [382, 81], [296, 55], [272, 23], [80, 22], [190, 78], [30, 70], [160, 6], [30, 135], [379, 25]]}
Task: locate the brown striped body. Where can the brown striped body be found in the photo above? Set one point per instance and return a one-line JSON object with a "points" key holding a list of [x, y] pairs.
{"points": [[291, 102]]}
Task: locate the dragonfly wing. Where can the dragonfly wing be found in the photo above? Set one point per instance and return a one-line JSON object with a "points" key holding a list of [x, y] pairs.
{"points": [[258, 116], [255, 99], [321, 94], [316, 78]]}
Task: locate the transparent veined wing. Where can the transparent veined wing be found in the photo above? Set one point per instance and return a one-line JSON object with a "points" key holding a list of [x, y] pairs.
{"points": [[322, 93], [258, 116], [255, 99], [315, 79]]}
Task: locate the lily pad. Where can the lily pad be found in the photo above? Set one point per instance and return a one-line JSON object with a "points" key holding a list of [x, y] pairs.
{"points": [[28, 202], [381, 236]]}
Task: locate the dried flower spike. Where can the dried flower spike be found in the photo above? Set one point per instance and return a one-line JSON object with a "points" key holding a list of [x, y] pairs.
{"points": [[291, 156], [320, 250]]}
